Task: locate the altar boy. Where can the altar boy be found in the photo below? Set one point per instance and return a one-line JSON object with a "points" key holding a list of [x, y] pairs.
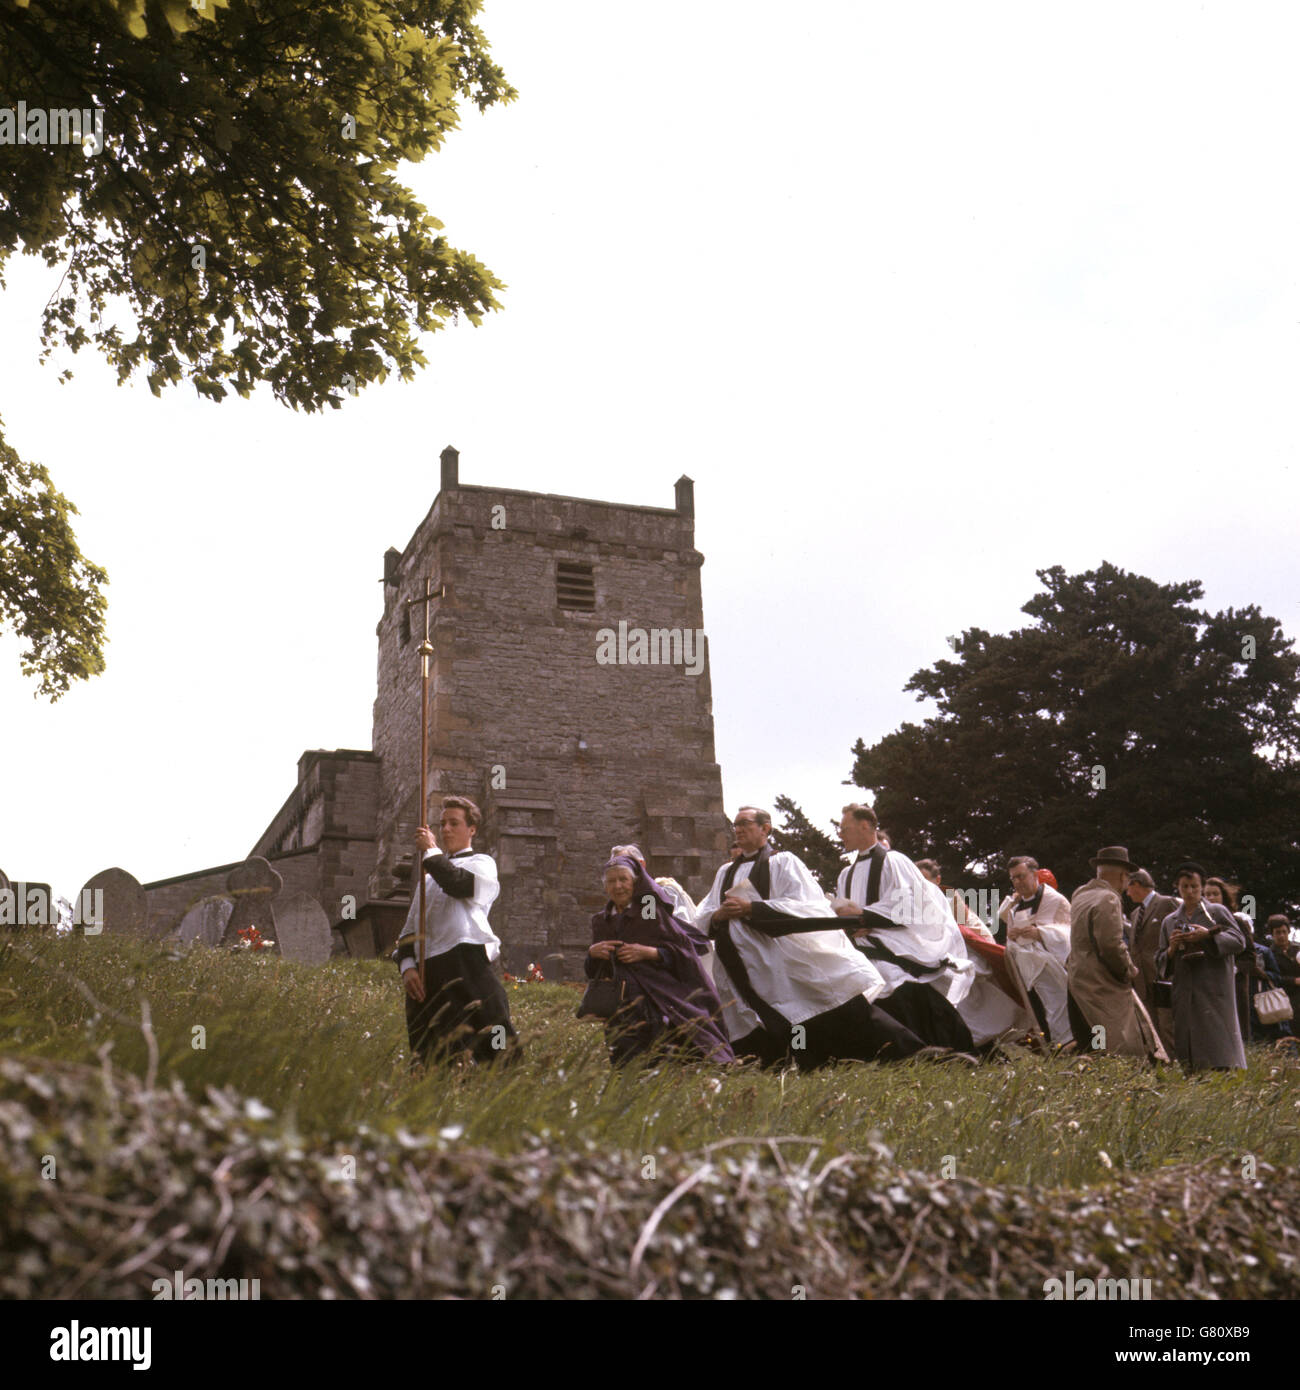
{"points": [[455, 1003]]}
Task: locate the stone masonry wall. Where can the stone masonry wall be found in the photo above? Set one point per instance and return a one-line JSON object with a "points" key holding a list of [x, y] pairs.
{"points": [[516, 688], [332, 809], [170, 899], [321, 842]]}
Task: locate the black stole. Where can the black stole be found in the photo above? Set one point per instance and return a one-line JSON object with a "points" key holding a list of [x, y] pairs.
{"points": [[876, 855], [872, 948], [761, 877]]}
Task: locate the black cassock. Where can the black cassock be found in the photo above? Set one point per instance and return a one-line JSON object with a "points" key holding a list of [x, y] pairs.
{"points": [[856, 1030], [465, 1008]]}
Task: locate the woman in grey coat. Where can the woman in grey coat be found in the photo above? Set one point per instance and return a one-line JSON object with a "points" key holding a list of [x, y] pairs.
{"points": [[1198, 943]]}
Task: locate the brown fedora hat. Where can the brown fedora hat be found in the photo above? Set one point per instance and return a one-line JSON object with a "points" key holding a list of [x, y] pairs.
{"points": [[1113, 854]]}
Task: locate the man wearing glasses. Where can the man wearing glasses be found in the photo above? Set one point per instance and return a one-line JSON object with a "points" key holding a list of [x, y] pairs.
{"points": [[788, 991]]}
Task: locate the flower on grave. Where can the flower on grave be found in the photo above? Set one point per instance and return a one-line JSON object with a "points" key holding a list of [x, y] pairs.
{"points": [[250, 939], [535, 973]]}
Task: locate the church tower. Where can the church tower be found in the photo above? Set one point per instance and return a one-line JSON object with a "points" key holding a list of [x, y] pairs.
{"points": [[570, 698]]}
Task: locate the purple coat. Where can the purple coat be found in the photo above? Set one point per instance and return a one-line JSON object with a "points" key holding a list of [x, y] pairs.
{"points": [[675, 992]]}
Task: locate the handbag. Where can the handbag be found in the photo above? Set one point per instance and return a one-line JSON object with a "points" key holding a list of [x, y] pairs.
{"points": [[1162, 993], [1272, 1006], [603, 998]]}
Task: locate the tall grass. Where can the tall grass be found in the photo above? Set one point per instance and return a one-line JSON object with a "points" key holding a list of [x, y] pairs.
{"points": [[326, 1047]]}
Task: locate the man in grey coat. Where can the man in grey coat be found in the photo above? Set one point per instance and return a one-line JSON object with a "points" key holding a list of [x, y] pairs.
{"points": [[1151, 909], [1198, 943], [1105, 1010]]}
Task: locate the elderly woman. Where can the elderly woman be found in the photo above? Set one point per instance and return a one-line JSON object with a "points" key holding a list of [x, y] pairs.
{"points": [[667, 1000], [683, 908]]}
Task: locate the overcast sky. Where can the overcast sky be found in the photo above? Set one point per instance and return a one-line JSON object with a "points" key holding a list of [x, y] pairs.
{"points": [[924, 297]]}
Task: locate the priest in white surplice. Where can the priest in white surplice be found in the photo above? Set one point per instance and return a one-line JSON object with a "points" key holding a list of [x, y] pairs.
{"points": [[1036, 921], [907, 932], [787, 992]]}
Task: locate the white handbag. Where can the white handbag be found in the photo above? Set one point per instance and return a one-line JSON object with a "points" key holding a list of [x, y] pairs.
{"points": [[1272, 1006]]}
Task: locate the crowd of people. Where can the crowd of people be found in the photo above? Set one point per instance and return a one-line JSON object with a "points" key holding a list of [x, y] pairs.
{"points": [[886, 965]]}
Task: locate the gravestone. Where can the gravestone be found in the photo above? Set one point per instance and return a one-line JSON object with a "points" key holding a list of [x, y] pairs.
{"points": [[252, 885], [125, 904], [303, 929], [28, 905], [206, 920], [553, 968]]}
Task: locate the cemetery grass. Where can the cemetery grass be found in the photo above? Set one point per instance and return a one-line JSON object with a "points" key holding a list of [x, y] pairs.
{"points": [[324, 1049]]}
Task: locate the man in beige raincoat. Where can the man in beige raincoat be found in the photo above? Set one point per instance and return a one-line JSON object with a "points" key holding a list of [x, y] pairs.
{"points": [[1108, 1015]]}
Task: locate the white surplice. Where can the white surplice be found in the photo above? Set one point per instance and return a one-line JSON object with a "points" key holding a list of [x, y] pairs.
{"points": [[1041, 965], [925, 932], [683, 906], [987, 1010], [452, 921], [799, 976]]}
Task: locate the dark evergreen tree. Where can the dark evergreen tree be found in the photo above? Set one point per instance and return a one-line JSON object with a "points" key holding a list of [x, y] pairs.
{"points": [[1124, 715], [819, 851]]}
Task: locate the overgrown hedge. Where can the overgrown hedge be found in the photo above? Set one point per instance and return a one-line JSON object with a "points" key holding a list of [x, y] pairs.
{"points": [[145, 1184]]}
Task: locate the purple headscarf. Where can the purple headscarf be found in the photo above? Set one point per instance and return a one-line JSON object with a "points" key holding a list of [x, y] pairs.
{"points": [[643, 884], [678, 992]]}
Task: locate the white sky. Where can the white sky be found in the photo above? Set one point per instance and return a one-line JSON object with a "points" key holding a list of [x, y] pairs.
{"points": [[924, 297]]}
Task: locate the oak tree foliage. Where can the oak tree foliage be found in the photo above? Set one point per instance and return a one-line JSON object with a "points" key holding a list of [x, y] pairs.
{"points": [[50, 595], [244, 221]]}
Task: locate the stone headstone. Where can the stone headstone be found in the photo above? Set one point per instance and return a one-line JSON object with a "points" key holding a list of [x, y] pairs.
{"points": [[553, 968], [252, 884], [28, 905], [206, 920], [124, 902], [303, 929]]}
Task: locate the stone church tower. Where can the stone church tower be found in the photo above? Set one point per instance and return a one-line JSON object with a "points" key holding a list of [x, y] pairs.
{"points": [[570, 698]]}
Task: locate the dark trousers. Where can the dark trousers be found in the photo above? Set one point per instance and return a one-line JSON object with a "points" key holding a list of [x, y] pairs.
{"points": [[929, 1015], [856, 1031], [628, 1034], [464, 1010], [761, 1046], [1244, 1020]]}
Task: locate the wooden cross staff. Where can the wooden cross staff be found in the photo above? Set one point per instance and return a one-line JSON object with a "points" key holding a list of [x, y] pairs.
{"points": [[426, 651]]}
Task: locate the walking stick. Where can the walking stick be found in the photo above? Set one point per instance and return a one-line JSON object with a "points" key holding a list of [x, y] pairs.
{"points": [[426, 651]]}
